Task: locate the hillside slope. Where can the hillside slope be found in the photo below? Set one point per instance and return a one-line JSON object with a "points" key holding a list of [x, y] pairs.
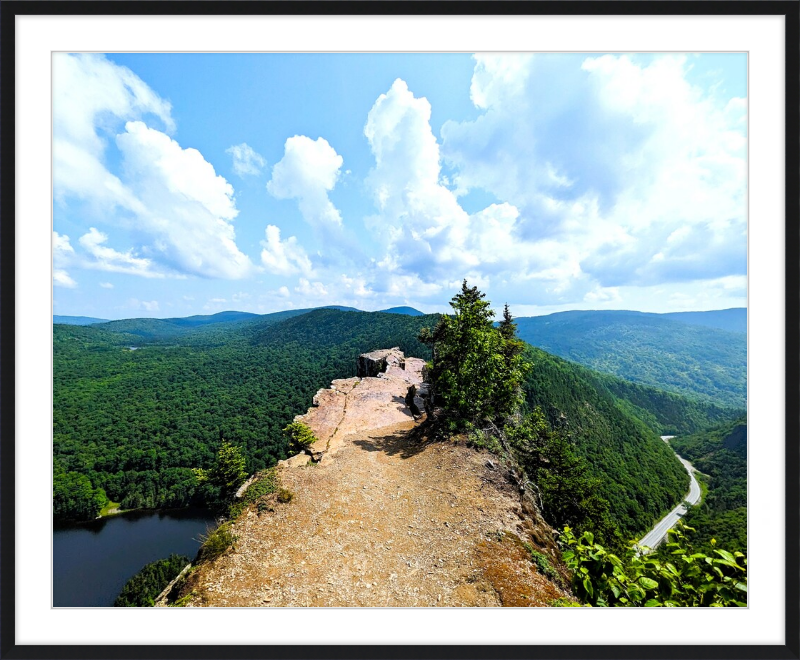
{"points": [[76, 320], [640, 476], [693, 360]]}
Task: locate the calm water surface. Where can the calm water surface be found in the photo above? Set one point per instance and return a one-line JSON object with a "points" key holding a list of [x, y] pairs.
{"points": [[92, 561]]}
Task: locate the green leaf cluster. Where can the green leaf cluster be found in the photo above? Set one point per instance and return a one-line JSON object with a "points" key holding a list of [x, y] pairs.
{"points": [[300, 437], [228, 472], [684, 579]]}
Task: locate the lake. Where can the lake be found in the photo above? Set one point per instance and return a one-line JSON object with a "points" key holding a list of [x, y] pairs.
{"points": [[92, 561]]}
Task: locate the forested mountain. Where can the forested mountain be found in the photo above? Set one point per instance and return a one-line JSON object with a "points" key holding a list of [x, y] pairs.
{"points": [[134, 422], [410, 311], [666, 413], [720, 453], [168, 329], [732, 320], [76, 320], [697, 361], [219, 317]]}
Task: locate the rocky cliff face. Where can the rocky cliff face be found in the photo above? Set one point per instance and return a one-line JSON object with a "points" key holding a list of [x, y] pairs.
{"points": [[373, 399], [383, 517]]}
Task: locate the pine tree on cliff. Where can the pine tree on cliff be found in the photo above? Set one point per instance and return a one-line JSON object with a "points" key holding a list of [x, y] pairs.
{"points": [[508, 391], [476, 368]]}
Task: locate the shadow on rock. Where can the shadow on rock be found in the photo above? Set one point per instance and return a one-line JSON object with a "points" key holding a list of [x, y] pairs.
{"points": [[403, 444]]}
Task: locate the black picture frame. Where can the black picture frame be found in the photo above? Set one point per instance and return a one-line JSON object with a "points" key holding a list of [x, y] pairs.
{"points": [[8, 328]]}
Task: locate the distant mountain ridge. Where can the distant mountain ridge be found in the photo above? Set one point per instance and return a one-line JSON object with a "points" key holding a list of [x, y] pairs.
{"points": [[692, 359], [76, 320], [733, 320], [408, 311]]}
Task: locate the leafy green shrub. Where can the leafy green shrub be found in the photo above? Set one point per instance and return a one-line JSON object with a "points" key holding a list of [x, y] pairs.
{"points": [[144, 587], [480, 439], [690, 579], [216, 542], [285, 495], [300, 436]]}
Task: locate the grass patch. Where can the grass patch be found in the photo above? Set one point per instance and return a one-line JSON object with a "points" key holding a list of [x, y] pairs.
{"points": [[543, 564], [702, 481], [182, 602], [265, 484], [216, 542], [285, 495], [110, 509]]}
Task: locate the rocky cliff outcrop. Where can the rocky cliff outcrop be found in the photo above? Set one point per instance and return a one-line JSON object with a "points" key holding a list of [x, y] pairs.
{"points": [[373, 399]]}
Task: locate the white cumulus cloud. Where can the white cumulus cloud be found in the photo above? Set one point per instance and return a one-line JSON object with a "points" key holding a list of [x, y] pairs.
{"points": [[147, 305], [178, 210], [189, 209], [63, 255], [307, 172], [284, 257], [109, 259], [246, 160], [312, 290], [420, 216], [62, 278], [90, 95], [621, 171]]}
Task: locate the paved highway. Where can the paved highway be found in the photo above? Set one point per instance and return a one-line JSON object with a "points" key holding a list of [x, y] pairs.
{"points": [[651, 540]]}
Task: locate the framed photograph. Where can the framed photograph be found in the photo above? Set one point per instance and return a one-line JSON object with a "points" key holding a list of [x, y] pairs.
{"points": [[400, 330]]}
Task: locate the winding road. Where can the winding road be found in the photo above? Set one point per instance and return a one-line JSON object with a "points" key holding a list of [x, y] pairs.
{"points": [[651, 540]]}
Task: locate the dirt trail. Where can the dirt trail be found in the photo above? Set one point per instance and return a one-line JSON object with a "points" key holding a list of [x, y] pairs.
{"points": [[385, 519]]}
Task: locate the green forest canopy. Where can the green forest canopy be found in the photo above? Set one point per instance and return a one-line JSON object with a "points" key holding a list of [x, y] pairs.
{"points": [[135, 422]]}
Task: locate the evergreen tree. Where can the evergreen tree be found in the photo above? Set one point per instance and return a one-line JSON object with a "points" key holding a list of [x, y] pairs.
{"points": [[466, 357], [228, 471], [567, 493], [477, 369], [508, 389]]}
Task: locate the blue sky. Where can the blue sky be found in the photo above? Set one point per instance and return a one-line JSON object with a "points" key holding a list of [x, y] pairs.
{"points": [[196, 183]]}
